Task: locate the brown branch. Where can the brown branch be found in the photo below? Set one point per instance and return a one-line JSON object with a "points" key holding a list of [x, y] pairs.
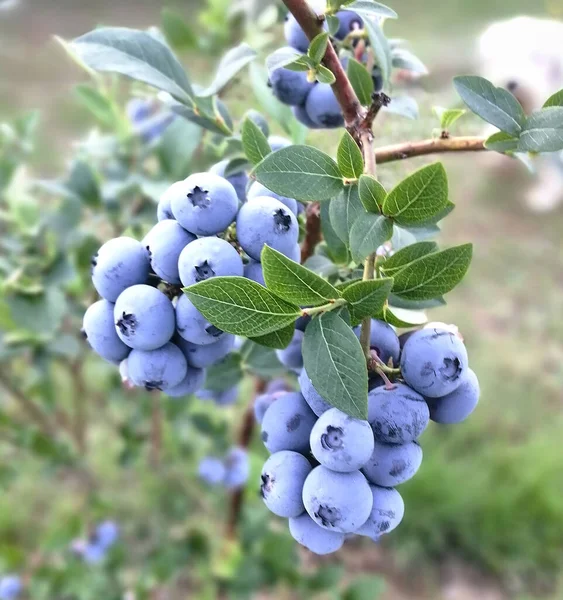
{"points": [[311, 24], [245, 437], [313, 232], [30, 407], [434, 146]]}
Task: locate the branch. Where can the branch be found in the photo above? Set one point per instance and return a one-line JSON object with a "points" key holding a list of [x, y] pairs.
{"points": [[313, 231], [245, 437], [31, 408], [434, 146], [311, 24]]}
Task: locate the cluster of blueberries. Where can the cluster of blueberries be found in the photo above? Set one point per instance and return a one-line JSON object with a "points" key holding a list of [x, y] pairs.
{"points": [[334, 476], [148, 118], [314, 104], [142, 322], [94, 549], [10, 587]]}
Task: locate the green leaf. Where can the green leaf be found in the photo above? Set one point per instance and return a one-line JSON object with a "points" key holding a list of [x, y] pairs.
{"points": [[260, 361], [336, 247], [344, 210], [349, 157], [317, 47], [225, 374], [432, 275], [555, 100], [419, 197], [208, 113], [543, 131], [397, 302], [370, 9], [372, 193], [241, 306], [367, 298], [333, 24], [501, 142], [405, 59], [368, 587], [361, 81], [83, 183], [344, 284], [495, 105], [101, 107], [325, 75], [301, 64], [368, 233], [406, 255], [177, 146], [380, 47], [293, 282], [176, 30], [300, 172], [322, 265], [236, 165], [283, 57], [254, 142], [447, 116], [135, 54], [394, 316], [233, 61], [278, 339], [336, 365]]}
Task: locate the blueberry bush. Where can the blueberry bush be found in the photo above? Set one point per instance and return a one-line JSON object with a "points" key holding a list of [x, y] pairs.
{"points": [[203, 257]]}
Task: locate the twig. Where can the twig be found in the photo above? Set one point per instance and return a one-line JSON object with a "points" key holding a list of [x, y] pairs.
{"points": [[434, 146], [31, 408], [313, 231], [245, 437]]}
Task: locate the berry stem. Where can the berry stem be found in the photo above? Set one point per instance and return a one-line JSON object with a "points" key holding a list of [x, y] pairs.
{"points": [[245, 437], [315, 310]]}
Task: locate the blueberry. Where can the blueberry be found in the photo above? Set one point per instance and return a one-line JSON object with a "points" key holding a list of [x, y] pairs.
{"points": [[238, 180], [202, 357], [193, 380], [99, 329], [139, 109], [208, 257], [337, 501], [316, 539], [397, 415], [291, 357], [295, 253], [277, 385], [257, 190], [377, 78], [294, 35], [302, 322], [193, 326], [301, 114], [107, 534], [253, 270], [283, 476], [277, 142], [164, 243], [290, 87], [317, 403], [144, 317], [93, 553], [384, 341], [434, 362], [404, 337], [153, 128], [340, 442], [119, 264], [392, 464], [266, 221], [220, 397], [349, 21], [323, 108], [208, 204], [287, 424], [387, 512], [160, 369], [10, 587], [261, 404], [237, 468], [164, 209], [212, 470], [457, 405]]}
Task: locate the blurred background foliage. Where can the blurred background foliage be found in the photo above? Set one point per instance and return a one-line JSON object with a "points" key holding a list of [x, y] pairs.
{"points": [[485, 512]]}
